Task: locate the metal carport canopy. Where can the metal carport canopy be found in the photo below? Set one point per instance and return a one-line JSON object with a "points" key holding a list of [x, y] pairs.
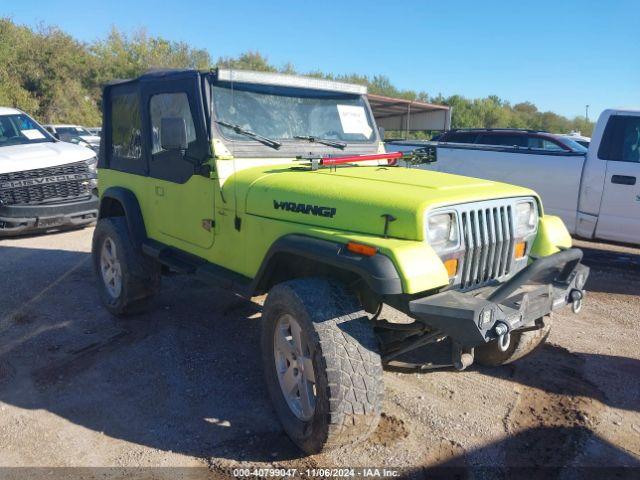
{"points": [[409, 115]]}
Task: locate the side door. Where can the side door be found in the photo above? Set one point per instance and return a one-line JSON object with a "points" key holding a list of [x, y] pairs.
{"points": [[181, 191], [554, 172], [619, 217], [487, 159], [509, 158]]}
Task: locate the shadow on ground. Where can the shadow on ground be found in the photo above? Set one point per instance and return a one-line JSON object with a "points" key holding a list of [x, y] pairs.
{"points": [[612, 271], [187, 376], [556, 370], [518, 450]]}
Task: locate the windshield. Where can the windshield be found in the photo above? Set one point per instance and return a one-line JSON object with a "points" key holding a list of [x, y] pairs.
{"points": [[282, 113], [573, 145], [73, 131], [19, 129]]}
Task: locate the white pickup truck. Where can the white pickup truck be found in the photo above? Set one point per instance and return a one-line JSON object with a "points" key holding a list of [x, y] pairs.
{"points": [[44, 183], [596, 192]]}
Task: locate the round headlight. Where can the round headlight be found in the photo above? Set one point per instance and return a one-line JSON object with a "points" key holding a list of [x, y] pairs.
{"points": [[442, 231], [526, 218]]}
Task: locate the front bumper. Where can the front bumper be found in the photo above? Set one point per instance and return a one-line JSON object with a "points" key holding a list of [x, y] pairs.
{"points": [[19, 219], [476, 317]]}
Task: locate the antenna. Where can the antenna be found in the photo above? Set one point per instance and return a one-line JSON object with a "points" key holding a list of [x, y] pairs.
{"points": [[236, 221]]}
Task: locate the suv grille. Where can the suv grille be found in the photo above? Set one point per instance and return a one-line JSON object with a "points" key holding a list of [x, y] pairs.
{"points": [[487, 233], [63, 182]]}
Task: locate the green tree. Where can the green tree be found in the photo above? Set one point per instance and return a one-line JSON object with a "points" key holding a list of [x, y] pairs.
{"points": [[51, 75], [127, 56], [13, 41], [250, 61]]}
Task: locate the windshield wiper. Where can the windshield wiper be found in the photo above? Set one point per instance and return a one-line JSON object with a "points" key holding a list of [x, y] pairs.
{"points": [[248, 133], [328, 143]]}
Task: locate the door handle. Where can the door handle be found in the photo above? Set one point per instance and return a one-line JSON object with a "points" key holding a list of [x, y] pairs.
{"points": [[623, 179]]}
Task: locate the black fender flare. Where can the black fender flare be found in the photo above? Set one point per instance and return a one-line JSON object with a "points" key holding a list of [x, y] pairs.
{"points": [[378, 271], [132, 212]]}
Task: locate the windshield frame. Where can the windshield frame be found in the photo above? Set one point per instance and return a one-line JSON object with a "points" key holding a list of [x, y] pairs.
{"points": [[47, 136], [291, 147]]}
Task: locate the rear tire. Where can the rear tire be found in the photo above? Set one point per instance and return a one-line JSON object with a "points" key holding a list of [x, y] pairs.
{"points": [[520, 344], [338, 344], [127, 279]]}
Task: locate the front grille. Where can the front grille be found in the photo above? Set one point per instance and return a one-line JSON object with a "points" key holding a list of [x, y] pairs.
{"points": [[57, 183], [487, 233]]}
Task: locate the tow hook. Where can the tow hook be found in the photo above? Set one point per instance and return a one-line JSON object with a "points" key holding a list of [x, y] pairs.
{"points": [[576, 297], [504, 337]]}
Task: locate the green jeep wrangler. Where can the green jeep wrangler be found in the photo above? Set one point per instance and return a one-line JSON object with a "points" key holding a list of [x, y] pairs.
{"points": [[278, 184]]}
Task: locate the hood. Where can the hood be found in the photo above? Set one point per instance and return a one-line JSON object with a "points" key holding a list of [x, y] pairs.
{"points": [[17, 158], [356, 198]]}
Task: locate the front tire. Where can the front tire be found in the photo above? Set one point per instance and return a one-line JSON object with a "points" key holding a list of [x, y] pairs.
{"points": [[499, 352], [322, 365], [127, 279]]}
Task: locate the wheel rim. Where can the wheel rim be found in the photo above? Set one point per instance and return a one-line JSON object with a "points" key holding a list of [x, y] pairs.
{"points": [[110, 268], [576, 306], [504, 341], [294, 367]]}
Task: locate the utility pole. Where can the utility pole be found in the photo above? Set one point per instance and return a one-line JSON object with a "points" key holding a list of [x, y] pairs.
{"points": [[586, 112]]}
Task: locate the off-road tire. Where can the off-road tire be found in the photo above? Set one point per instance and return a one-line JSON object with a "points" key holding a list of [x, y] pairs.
{"points": [[346, 361], [140, 274], [522, 344]]}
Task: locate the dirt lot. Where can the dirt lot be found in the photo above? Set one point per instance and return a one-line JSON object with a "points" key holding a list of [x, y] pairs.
{"points": [[182, 387]]}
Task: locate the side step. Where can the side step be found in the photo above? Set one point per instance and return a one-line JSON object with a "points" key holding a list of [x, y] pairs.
{"points": [[169, 257], [184, 263]]}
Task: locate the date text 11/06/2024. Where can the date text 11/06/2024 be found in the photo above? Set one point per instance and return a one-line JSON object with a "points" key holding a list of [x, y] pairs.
{"points": [[372, 472]]}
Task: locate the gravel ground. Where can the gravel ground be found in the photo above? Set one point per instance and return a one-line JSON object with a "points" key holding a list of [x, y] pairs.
{"points": [[181, 386]]}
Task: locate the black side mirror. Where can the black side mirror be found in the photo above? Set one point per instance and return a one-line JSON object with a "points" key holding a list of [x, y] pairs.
{"points": [[56, 136], [173, 133]]}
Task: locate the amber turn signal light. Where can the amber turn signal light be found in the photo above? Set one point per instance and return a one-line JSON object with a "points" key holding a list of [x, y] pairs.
{"points": [[521, 248], [452, 266], [361, 249]]}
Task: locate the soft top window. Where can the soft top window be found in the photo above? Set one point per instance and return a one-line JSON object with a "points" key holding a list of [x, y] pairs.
{"points": [[169, 105], [124, 138]]}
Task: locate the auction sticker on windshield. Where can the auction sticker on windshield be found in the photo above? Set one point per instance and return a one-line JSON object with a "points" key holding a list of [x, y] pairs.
{"points": [[32, 134], [354, 120]]}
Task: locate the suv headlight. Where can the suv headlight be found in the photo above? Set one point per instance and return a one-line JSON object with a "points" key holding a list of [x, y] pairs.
{"points": [[526, 218], [92, 163], [442, 231]]}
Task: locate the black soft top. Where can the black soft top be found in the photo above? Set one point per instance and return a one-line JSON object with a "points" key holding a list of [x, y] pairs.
{"points": [[159, 74]]}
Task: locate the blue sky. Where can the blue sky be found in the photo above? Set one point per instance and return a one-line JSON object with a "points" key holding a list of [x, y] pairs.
{"points": [[561, 55]]}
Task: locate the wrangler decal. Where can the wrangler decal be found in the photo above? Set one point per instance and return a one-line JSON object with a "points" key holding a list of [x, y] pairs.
{"points": [[305, 208]]}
